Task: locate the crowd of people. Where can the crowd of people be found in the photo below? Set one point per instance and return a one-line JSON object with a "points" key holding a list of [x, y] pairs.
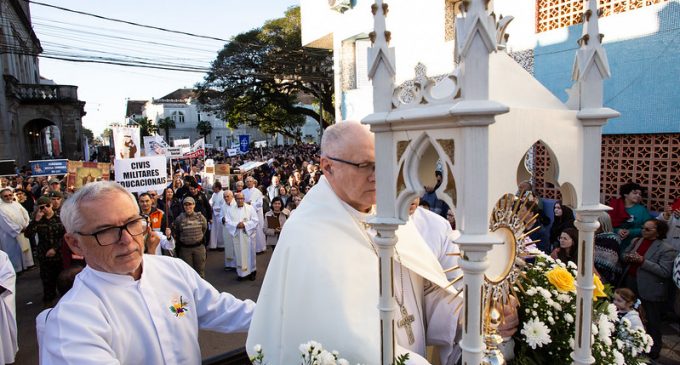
{"points": [[244, 214]]}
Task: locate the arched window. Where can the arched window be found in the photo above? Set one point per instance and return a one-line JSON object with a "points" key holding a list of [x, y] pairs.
{"points": [[177, 117]]}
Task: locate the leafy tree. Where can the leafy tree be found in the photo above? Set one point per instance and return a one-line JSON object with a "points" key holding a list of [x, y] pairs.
{"points": [[258, 77], [146, 126], [107, 135], [165, 124], [204, 128], [89, 135]]}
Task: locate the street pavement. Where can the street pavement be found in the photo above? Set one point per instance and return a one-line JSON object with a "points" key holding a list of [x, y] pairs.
{"points": [[29, 305]]}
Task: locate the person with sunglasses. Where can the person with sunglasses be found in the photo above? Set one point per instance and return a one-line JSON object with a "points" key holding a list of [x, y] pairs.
{"points": [[47, 225], [126, 307]]}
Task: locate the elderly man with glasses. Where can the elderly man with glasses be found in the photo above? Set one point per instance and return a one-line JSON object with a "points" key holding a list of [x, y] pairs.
{"points": [[126, 307], [47, 225]]}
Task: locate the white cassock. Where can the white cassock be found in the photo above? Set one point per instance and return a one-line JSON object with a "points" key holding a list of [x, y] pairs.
{"points": [[322, 284], [244, 239], [112, 319], [437, 233], [229, 254], [8, 323], [253, 196], [13, 219], [217, 231]]}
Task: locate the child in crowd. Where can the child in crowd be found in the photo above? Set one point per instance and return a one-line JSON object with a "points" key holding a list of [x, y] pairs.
{"points": [[625, 300]]}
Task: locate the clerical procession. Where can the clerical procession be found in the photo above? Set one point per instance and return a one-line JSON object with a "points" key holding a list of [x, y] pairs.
{"points": [[356, 182]]}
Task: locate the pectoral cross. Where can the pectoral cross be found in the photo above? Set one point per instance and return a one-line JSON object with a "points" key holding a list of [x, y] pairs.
{"points": [[405, 321]]}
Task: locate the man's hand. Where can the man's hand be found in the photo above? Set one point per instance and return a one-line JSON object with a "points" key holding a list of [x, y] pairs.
{"points": [[623, 233], [50, 253], [510, 322], [152, 242], [38, 215]]}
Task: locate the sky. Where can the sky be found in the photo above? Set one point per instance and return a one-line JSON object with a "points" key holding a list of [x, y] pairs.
{"points": [[106, 88]]}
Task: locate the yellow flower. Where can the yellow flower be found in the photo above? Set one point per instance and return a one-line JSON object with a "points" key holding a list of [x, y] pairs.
{"points": [[599, 288], [561, 278]]}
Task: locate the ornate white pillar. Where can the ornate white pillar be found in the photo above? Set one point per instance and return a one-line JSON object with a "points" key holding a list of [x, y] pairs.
{"points": [[590, 69]]}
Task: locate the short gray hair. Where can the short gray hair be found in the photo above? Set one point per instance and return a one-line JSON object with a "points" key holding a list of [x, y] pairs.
{"points": [[71, 216], [605, 222], [335, 136]]}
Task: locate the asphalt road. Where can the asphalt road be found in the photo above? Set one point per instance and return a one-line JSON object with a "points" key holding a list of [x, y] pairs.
{"points": [[29, 305]]}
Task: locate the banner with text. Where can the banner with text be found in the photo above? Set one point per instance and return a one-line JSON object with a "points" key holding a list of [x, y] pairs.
{"points": [[244, 142], [231, 152], [184, 144], [197, 149], [142, 174], [126, 140], [49, 167]]}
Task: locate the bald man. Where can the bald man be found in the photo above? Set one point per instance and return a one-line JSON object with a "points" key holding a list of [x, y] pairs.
{"points": [[322, 281]]}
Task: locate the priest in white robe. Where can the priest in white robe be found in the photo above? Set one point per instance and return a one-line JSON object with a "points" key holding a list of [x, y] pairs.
{"points": [[217, 205], [255, 198], [322, 283], [229, 254], [242, 223], [439, 236], [126, 307], [8, 323], [13, 220]]}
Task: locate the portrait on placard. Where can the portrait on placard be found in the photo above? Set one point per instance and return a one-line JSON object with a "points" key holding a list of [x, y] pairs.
{"points": [[127, 142], [155, 146], [81, 173]]}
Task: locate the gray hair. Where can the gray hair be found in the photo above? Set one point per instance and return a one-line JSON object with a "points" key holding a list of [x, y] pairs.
{"points": [[336, 136], [71, 216], [605, 222]]}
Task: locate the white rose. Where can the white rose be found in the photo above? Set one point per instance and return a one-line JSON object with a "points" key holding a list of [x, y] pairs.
{"points": [[569, 318], [257, 348]]}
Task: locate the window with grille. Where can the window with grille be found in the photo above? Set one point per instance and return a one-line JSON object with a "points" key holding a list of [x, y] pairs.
{"points": [[554, 14]]}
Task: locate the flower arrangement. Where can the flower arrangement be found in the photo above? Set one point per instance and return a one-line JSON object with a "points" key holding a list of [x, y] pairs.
{"points": [[547, 293], [313, 353]]}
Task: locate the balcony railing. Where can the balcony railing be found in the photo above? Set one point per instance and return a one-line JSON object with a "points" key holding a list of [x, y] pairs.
{"points": [[40, 92]]}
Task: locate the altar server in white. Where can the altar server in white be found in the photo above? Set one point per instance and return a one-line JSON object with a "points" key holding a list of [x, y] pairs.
{"points": [[126, 307], [322, 282], [217, 205], [255, 198], [229, 255], [13, 220], [439, 236], [242, 223], [8, 323]]}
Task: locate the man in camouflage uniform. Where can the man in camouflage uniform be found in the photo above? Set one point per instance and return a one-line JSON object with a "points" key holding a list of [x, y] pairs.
{"points": [[47, 224]]}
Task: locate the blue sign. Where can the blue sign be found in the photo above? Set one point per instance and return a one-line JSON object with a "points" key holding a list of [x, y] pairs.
{"points": [[49, 167], [244, 142]]}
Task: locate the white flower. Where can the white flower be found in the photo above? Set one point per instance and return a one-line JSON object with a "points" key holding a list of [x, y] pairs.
{"points": [[569, 318], [326, 358], [605, 329], [533, 313], [304, 348], [612, 312], [343, 362], [531, 291], [535, 305], [536, 332], [563, 298], [618, 358], [571, 265], [257, 348], [619, 344], [571, 343], [594, 329], [626, 322]]}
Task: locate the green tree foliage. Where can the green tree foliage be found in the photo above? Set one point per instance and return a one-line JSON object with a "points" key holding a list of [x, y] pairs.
{"points": [[258, 77], [146, 126], [204, 128], [165, 125]]}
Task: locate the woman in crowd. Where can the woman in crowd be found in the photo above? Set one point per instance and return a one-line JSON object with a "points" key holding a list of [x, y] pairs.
{"points": [[568, 249], [650, 263], [274, 221], [606, 254], [283, 194], [170, 206], [628, 214], [564, 218]]}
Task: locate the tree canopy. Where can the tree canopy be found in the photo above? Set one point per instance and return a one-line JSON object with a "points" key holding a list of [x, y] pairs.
{"points": [[258, 78]]}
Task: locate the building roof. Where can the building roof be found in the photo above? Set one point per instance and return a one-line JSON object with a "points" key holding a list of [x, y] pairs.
{"points": [[135, 107], [179, 94]]}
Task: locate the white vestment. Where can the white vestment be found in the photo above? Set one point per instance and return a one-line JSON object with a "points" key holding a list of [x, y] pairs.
{"points": [[244, 238], [113, 319], [322, 284], [272, 191], [217, 231], [229, 254], [8, 323], [437, 233], [254, 197], [13, 219]]}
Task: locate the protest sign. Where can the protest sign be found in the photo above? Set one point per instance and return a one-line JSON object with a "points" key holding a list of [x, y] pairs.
{"points": [[48, 167], [231, 152], [155, 146], [81, 173], [197, 149], [222, 169], [244, 143], [126, 141], [142, 174]]}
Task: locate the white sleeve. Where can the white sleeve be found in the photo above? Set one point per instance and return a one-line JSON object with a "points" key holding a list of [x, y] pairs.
{"points": [[167, 243], [251, 224], [442, 316], [230, 224]]}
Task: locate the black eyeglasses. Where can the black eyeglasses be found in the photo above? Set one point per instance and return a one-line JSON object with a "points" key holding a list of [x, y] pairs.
{"points": [[111, 235], [41, 207], [363, 166]]}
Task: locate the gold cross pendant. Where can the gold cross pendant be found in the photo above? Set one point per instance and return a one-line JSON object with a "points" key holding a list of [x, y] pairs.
{"points": [[405, 321]]}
